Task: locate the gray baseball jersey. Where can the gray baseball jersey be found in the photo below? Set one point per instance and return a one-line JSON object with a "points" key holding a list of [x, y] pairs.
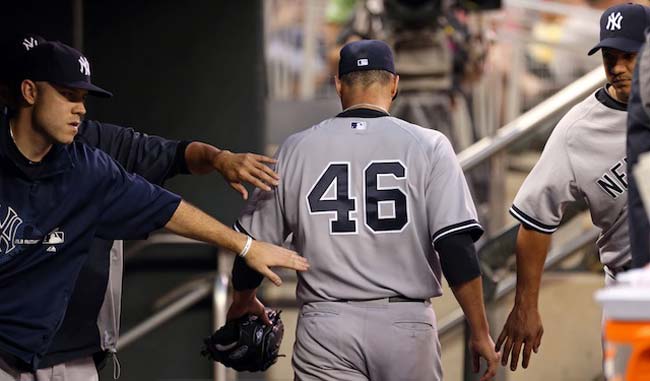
{"points": [[584, 159], [365, 198]]}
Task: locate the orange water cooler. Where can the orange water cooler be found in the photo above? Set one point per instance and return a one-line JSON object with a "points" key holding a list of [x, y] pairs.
{"points": [[626, 307]]}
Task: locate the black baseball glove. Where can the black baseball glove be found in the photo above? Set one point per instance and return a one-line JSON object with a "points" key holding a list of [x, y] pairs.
{"points": [[246, 344]]}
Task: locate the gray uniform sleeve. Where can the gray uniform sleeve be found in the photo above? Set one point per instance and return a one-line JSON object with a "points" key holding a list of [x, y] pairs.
{"points": [[450, 207], [549, 188], [262, 219]]}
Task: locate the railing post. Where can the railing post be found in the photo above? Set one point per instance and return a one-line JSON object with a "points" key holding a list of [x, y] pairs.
{"points": [[220, 304], [497, 193]]}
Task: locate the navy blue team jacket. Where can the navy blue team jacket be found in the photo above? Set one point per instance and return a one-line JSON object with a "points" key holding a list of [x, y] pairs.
{"points": [[49, 214], [638, 142]]}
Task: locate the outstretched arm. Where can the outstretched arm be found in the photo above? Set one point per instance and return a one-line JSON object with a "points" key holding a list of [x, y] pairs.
{"points": [[236, 168], [524, 324], [190, 222]]}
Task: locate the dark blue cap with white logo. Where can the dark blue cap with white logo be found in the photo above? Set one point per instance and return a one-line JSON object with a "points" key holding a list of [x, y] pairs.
{"points": [[58, 63], [622, 27], [366, 55]]}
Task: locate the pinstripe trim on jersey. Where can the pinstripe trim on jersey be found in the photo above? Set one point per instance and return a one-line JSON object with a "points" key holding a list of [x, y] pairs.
{"points": [[240, 229], [531, 222], [475, 229]]}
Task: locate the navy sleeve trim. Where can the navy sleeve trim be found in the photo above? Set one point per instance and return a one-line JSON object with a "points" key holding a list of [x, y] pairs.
{"points": [[240, 229], [531, 223], [179, 160], [458, 258], [471, 226]]}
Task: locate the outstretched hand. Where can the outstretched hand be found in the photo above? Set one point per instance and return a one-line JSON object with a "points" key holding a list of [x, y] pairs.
{"points": [[523, 328], [262, 256], [251, 168]]}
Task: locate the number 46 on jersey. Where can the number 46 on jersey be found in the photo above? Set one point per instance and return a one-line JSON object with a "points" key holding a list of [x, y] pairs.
{"points": [[343, 204]]}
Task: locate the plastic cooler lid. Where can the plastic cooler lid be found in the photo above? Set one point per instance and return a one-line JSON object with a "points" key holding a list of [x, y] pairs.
{"points": [[629, 299]]}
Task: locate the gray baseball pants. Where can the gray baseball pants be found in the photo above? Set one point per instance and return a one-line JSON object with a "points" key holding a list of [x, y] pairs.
{"points": [[361, 341]]}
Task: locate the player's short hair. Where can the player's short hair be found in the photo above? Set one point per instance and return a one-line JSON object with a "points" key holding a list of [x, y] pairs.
{"points": [[366, 78]]}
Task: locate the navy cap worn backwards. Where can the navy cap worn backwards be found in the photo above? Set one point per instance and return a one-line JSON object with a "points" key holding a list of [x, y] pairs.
{"points": [[58, 63], [366, 55], [622, 27]]}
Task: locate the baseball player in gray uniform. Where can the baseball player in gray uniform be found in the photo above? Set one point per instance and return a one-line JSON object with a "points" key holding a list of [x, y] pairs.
{"points": [[380, 208], [583, 160]]}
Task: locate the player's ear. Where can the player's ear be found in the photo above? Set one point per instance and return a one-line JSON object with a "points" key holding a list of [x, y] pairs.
{"points": [[337, 84], [29, 91], [395, 86]]}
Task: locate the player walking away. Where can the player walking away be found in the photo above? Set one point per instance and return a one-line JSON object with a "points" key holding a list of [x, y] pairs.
{"points": [[57, 194], [584, 159], [380, 208]]}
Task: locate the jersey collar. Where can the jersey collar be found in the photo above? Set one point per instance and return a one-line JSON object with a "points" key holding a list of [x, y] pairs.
{"points": [[362, 113], [607, 100], [56, 161]]}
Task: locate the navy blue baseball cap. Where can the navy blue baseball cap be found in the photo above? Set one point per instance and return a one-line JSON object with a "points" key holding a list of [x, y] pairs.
{"points": [[622, 27], [366, 55], [60, 64]]}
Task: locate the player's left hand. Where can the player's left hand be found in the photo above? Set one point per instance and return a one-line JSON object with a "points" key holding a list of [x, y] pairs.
{"points": [[237, 168], [483, 346], [247, 304]]}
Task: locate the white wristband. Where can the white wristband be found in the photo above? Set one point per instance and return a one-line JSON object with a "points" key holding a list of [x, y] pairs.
{"points": [[247, 246]]}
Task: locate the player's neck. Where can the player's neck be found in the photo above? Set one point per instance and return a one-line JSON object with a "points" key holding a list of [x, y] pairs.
{"points": [[612, 93], [31, 144], [366, 106]]}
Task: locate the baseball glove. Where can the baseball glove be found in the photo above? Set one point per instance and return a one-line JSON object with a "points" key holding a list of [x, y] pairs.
{"points": [[246, 344]]}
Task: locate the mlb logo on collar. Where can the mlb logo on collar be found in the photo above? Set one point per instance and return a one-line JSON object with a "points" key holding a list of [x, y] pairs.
{"points": [[358, 125]]}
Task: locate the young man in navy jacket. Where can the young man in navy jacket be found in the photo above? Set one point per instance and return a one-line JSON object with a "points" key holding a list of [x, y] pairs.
{"points": [[91, 324], [57, 194]]}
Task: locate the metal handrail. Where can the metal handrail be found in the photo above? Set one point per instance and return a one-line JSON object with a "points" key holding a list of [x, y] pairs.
{"points": [[506, 286], [532, 120], [200, 292]]}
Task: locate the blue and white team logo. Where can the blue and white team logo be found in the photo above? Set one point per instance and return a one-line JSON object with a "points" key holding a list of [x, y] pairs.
{"points": [[8, 227], [614, 21], [358, 125]]}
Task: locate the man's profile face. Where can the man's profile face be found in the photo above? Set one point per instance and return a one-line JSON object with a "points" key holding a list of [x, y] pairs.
{"points": [[58, 111], [619, 67]]}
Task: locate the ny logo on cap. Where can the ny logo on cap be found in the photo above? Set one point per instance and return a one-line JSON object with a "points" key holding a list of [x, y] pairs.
{"points": [[614, 21], [84, 66], [29, 43]]}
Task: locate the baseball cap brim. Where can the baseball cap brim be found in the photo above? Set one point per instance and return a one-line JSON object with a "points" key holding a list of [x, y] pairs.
{"points": [[92, 89], [624, 44]]}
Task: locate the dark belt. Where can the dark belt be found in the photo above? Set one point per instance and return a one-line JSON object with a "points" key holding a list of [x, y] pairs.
{"points": [[392, 299], [403, 299]]}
